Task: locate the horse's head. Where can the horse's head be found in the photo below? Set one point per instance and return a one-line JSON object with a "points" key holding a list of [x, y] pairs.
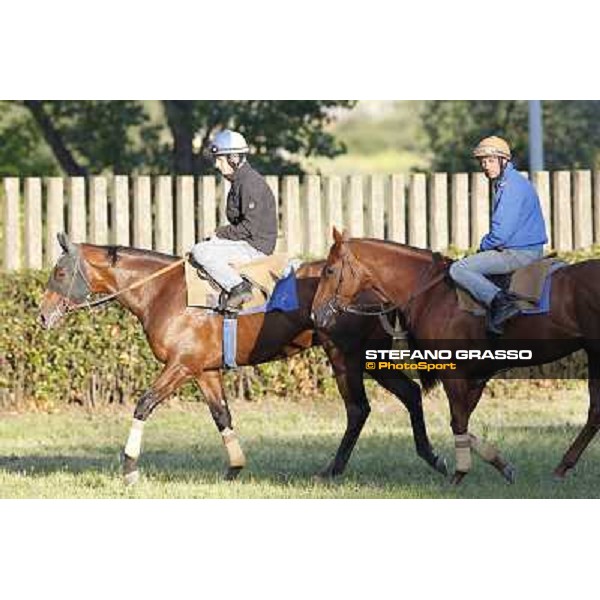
{"points": [[342, 279], [68, 284]]}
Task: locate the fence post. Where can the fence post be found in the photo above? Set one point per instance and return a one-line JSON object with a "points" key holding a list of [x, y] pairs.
{"points": [[438, 220], [55, 222], [396, 209], [355, 206], [417, 211], [582, 209], [164, 214], [99, 211], [120, 213], [312, 217], [207, 206], [12, 226], [142, 212], [77, 213], [185, 214], [480, 207], [334, 214], [376, 207], [561, 210], [33, 223], [541, 181], [290, 215], [596, 207], [459, 216]]}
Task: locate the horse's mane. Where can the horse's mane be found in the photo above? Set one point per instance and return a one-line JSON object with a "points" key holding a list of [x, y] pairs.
{"points": [[113, 253], [405, 247], [439, 258]]}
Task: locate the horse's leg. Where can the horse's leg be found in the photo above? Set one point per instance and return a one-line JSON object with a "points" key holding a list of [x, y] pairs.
{"points": [[211, 385], [592, 425], [409, 393], [464, 396], [348, 375], [171, 377], [463, 399], [490, 454]]}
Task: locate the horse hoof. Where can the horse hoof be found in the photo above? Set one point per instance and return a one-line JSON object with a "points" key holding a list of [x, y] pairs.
{"points": [[559, 475], [326, 475], [509, 473], [232, 473], [131, 478], [441, 466], [457, 478]]}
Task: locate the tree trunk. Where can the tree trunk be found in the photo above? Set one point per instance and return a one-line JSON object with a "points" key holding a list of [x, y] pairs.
{"points": [[54, 139], [180, 118]]}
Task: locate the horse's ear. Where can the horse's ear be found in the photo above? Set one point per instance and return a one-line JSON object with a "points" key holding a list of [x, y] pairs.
{"points": [[65, 243], [339, 237]]}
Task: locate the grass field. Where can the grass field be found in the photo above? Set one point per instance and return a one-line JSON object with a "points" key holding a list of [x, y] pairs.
{"points": [[74, 454]]}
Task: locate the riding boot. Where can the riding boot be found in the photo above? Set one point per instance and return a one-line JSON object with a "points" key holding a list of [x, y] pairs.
{"points": [[502, 308], [239, 294]]}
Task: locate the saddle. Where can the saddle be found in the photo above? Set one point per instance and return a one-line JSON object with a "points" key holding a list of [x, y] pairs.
{"points": [[262, 274], [527, 285]]}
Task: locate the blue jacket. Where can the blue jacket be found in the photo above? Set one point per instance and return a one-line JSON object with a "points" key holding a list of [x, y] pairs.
{"points": [[517, 220]]}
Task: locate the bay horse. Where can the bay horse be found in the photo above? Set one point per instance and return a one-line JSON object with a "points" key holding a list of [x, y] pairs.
{"points": [[188, 341], [414, 281]]}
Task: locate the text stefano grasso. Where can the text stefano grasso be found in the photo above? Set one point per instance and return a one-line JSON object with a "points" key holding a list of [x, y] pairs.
{"points": [[497, 354]]}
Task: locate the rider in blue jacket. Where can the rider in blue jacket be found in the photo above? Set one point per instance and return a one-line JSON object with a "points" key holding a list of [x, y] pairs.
{"points": [[516, 237]]}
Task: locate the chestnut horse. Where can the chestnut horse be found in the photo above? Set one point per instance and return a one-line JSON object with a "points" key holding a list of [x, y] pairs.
{"points": [[188, 341], [416, 283]]}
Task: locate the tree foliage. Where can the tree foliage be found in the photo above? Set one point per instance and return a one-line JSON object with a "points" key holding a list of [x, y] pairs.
{"points": [[22, 149], [571, 131], [82, 137]]}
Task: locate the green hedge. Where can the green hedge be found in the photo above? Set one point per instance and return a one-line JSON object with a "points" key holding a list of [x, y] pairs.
{"points": [[101, 357]]}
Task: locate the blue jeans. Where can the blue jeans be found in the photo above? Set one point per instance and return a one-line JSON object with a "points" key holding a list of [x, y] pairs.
{"points": [[469, 272]]}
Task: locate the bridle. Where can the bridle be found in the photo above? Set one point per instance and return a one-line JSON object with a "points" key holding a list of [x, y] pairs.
{"points": [[336, 305], [66, 304]]}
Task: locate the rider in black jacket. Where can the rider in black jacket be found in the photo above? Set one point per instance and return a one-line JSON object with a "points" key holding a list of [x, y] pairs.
{"points": [[252, 229]]}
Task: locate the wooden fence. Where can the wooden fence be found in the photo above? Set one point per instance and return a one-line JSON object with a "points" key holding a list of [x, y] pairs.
{"points": [[169, 214]]}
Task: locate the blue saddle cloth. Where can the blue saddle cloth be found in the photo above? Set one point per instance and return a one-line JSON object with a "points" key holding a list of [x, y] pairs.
{"points": [[285, 294]]}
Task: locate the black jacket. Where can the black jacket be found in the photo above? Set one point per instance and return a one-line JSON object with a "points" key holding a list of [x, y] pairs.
{"points": [[251, 211]]}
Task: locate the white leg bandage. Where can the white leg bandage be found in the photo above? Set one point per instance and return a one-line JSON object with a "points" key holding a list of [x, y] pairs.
{"points": [[462, 445], [234, 450], [487, 451], [134, 441], [132, 478]]}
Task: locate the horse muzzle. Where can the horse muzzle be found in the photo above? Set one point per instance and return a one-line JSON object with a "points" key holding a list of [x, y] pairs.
{"points": [[324, 316], [52, 310]]}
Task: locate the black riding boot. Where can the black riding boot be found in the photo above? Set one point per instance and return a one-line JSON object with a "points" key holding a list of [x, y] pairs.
{"points": [[503, 307], [239, 294]]}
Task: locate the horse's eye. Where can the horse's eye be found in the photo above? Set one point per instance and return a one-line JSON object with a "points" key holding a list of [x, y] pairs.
{"points": [[59, 274], [329, 271]]}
